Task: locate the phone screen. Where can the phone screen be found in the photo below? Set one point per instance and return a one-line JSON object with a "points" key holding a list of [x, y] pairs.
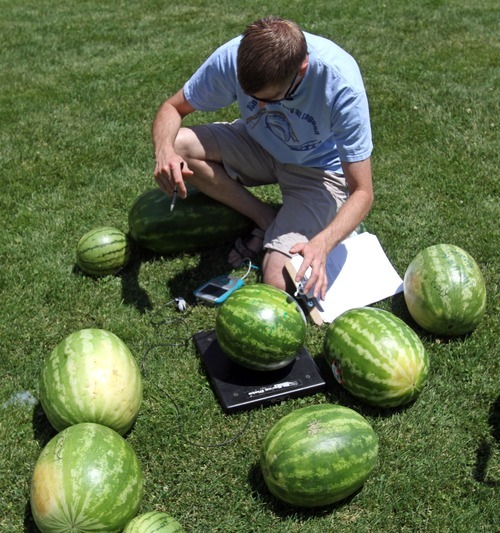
{"points": [[214, 290]]}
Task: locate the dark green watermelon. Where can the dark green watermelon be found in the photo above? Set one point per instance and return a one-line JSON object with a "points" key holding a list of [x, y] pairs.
{"points": [[197, 222]]}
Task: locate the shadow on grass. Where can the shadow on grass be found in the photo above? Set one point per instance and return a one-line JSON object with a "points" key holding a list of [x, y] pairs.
{"points": [[284, 510], [29, 522], [42, 428], [132, 292], [399, 308], [210, 263], [337, 394], [484, 452]]}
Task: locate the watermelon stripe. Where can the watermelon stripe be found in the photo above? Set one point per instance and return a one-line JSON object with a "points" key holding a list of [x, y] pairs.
{"points": [[112, 236], [107, 254], [91, 376]]}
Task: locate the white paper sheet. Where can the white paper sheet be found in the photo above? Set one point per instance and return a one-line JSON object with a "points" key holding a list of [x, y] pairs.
{"points": [[359, 274]]}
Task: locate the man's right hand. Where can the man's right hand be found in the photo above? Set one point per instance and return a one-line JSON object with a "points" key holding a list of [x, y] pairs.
{"points": [[171, 174]]}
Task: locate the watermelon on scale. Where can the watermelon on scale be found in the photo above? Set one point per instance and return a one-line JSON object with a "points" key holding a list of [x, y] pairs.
{"points": [[91, 376], [103, 251], [196, 222], [318, 455], [261, 327], [86, 479], [376, 356], [444, 290]]}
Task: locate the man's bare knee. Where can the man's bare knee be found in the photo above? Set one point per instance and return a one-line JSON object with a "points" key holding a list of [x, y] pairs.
{"points": [[275, 273], [184, 143], [197, 144]]}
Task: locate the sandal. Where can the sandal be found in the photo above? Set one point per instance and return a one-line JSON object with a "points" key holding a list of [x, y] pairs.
{"points": [[243, 251]]}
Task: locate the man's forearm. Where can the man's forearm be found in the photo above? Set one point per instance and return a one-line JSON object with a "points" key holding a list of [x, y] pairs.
{"points": [[165, 128], [356, 207], [348, 218]]}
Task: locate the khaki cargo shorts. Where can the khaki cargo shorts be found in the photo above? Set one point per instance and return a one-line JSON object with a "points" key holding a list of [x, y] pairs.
{"points": [[311, 197]]}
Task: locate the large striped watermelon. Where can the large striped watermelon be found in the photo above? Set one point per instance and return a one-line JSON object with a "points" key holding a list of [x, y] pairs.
{"points": [[87, 478], [444, 290], [376, 356], [91, 376], [103, 251], [196, 222], [154, 522], [318, 455], [261, 327]]}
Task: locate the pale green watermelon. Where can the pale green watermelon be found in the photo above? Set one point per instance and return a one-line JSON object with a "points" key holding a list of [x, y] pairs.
{"points": [[444, 290], [91, 376]]}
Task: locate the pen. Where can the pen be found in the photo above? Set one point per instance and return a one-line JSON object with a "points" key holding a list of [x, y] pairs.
{"points": [[174, 196], [174, 199]]}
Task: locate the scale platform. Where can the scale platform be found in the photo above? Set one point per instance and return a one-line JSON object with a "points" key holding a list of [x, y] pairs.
{"points": [[239, 388]]}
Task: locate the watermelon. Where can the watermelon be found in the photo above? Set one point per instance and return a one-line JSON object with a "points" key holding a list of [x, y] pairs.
{"points": [[87, 478], [318, 455], [91, 376], [444, 290], [154, 522], [260, 327], [196, 222], [103, 251], [376, 356]]}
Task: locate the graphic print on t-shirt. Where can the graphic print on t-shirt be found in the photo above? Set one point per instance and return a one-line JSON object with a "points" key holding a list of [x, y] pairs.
{"points": [[279, 125]]}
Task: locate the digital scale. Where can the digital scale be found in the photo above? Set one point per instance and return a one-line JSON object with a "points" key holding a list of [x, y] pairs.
{"points": [[239, 388]]}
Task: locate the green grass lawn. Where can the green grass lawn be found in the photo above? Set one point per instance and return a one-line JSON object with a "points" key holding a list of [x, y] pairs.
{"points": [[80, 84]]}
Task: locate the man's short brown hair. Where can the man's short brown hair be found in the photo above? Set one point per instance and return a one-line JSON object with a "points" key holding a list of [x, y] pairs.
{"points": [[270, 54]]}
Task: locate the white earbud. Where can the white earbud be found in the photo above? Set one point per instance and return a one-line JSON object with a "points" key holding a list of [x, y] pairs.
{"points": [[181, 303]]}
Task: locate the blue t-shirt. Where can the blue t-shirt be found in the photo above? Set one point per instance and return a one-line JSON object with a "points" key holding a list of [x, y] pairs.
{"points": [[326, 122]]}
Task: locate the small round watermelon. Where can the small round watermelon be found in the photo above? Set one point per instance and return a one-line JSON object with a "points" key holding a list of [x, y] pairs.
{"points": [[87, 478], [376, 356], [154, 522], [91, 376], [445, 291], [261, 327], [103, 251], [318, 455]]}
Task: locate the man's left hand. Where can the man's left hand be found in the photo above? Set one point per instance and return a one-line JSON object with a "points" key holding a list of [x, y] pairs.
{"points": [[314, 253]]}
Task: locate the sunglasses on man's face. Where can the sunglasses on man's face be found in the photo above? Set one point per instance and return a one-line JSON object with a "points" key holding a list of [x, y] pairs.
{"points": [[287, 96]]}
